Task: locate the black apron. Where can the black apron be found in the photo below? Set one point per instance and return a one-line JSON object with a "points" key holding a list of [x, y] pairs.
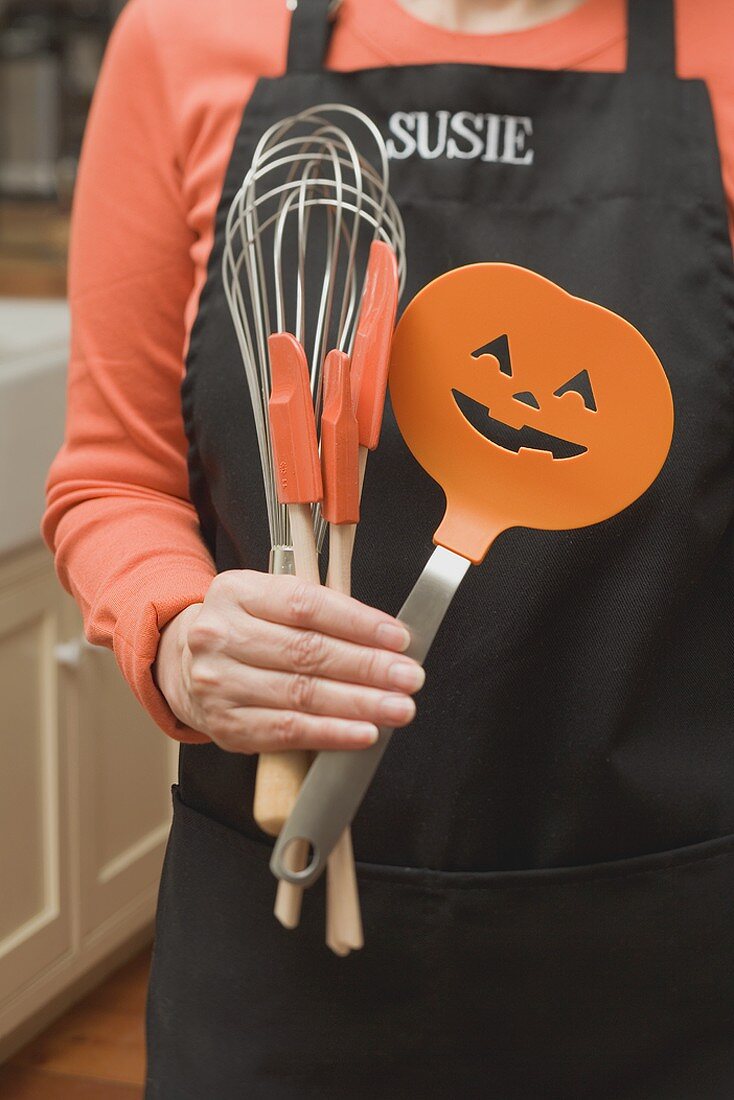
{"points": [[546, 857]]}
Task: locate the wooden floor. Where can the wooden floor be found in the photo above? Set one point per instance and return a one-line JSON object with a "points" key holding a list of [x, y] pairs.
{"points": [[96, 1051]]}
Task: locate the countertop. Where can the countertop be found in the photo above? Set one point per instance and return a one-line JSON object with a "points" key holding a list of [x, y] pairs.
{"points": [[34, 341]]}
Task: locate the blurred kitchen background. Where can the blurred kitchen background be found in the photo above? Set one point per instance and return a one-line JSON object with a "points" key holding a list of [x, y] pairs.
{"points": [[79, 864], [50, 53]]}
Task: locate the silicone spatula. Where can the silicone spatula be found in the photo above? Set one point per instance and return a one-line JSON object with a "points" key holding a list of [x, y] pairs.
{"points": [[354, 399], [339, 445], [371, 359], [529, 407], [281, 774], [299, 481], [296, 460], [340, 508], [372, 340]]}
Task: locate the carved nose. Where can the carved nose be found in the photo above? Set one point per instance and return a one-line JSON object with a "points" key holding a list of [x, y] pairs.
{"points": [[527, 398]]}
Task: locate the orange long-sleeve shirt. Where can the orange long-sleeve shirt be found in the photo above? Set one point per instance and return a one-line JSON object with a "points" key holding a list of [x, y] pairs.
{"points": [[173, 86]]}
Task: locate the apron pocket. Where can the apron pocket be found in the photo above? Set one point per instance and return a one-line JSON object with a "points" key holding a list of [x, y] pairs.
{"points": [[614, 980]]}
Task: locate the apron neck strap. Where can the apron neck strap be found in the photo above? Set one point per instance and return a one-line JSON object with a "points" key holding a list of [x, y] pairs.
{"points": [[651, 37], [311, 26]]}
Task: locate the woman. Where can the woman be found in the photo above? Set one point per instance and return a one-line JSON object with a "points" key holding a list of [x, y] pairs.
{"points": [[546, 855]]}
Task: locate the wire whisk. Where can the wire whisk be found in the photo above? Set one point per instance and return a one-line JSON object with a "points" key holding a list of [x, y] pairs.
{"points": [[296, 245]]}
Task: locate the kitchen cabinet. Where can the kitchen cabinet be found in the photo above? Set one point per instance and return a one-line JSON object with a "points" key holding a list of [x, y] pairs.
{"points": [[84, 799]]}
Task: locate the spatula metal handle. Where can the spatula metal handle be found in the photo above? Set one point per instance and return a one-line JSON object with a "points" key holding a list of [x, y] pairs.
{"points": [[337, 781]]}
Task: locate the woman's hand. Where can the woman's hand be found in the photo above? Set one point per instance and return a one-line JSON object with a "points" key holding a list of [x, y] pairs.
{"points": [[271, 663]]}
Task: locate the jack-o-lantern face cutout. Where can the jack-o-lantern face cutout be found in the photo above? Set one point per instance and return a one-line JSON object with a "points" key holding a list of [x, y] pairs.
{"points": [[524, 437], [528, 406]]}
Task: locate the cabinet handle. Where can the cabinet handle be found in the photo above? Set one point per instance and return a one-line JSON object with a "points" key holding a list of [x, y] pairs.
{"points": [[70, 654]]}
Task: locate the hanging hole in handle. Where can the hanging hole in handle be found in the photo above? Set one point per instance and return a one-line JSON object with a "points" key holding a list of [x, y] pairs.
{"points": [[299, 857]]}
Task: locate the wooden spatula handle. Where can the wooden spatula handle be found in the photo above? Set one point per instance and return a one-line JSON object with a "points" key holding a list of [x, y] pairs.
{"points": [[343, 914], [279, 774], [277, 783]]}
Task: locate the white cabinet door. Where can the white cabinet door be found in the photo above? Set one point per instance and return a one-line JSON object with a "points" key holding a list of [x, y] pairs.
{"points": [[84, 797], [125, 768], [35, 918]]}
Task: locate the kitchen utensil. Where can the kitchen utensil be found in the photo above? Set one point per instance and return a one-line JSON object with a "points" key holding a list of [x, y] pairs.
{"points": [[368, 383], [529, 407], [372, 341], [340, 508], [311, 201], [350, 427], [296, 458]]}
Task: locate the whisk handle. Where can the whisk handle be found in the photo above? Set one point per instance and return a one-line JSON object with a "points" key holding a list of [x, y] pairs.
{"points": [[279, 774]]}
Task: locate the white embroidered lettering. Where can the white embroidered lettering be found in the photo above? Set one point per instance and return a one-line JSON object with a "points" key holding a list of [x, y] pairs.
{"points": [[423, 134], [463, 135], [517, 130], [400, 125], [460, 125], [491, 152]]}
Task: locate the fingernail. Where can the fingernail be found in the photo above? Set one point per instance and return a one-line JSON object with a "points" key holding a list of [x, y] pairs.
{"points": [[393, 636], [364, 731], [397, 708], [406, 675]]}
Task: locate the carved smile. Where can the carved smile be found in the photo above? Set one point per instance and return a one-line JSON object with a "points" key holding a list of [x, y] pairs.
{"points": [[513, 439]]}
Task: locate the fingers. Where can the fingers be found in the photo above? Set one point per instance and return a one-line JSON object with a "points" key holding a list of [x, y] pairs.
{"points": [[255, 729], [244, 686], [309, 653], [297, 603], [273, 663]]}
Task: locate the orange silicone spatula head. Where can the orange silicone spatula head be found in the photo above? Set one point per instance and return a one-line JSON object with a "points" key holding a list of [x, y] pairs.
{"points": [[292, 422], [339, 444], [530, 407], [371, 351]]}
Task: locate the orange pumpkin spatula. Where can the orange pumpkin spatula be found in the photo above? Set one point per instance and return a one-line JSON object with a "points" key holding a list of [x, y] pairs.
{"points": [[530, 408]]}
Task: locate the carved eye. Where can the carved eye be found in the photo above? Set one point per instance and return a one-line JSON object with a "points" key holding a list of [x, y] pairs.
{"points": [[580, 384], [500, 348]]}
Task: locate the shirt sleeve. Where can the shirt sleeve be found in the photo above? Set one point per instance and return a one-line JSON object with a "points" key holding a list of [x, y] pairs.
{"points": [[119, 519]]}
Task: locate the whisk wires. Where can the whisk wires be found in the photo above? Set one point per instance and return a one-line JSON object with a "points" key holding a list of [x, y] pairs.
{"points": [[297, 240]]}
